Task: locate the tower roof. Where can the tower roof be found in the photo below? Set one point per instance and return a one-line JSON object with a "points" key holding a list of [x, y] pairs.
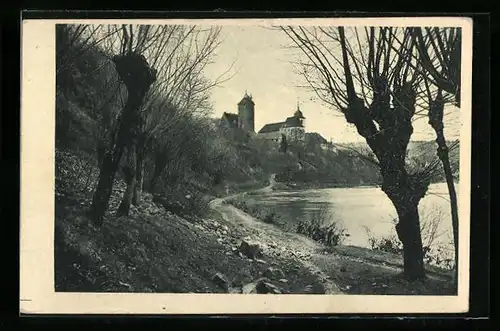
{"points": [[246, 99], [298, 112]]}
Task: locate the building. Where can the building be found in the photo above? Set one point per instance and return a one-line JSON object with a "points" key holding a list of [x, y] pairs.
{"points": [[293, 128], [245, 119], [314, 139]]}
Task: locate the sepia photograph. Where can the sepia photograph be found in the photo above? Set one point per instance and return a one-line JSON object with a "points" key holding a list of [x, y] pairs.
{"points": [[323, 160]]}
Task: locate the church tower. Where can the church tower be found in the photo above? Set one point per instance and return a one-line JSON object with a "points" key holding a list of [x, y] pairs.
{"points": [[246, 113]]}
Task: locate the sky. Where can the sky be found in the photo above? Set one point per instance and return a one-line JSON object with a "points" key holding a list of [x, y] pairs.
{"points": [[261, 65]]}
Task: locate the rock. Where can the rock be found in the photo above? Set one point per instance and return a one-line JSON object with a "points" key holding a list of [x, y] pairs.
{"points": [[250, 249], [235, 290], [249, 288], [342, 269], [283, 280], [262, 286], [221, 281], [273, 272]]}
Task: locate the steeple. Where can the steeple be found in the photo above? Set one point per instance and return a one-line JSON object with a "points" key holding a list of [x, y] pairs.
{"points": [[298, 112]]}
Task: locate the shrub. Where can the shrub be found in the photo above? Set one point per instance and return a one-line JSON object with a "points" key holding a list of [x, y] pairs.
{"points": [[322, 228], [266, 216], [435, 253]]}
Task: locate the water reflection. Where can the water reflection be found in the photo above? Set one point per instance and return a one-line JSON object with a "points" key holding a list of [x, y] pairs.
{"points": [[357, 209]]}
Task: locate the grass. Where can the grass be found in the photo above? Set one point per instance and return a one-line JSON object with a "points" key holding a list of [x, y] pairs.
{"points": [[363, 271], [152, 253], [152, 250], [155, 250], [265, 215]]}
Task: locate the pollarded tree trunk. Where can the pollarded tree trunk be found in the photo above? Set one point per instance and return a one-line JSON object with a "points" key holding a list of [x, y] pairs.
{"points": [[405, 192], [408, 230], [135, 72], [110, 164]]}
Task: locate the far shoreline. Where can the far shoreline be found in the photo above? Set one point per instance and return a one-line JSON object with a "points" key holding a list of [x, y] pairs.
{"points": [[284, 186]]}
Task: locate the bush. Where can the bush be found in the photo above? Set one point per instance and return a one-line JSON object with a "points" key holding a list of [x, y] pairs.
{"points": [[266, 216], [322, 228], [435, 253]]}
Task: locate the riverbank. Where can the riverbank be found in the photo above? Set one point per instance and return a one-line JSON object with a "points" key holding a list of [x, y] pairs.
{"points": [[291, 186], [154, 250], [226, 251]]}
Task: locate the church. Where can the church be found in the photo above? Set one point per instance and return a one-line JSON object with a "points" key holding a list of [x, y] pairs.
{"points": [[293, 127]]}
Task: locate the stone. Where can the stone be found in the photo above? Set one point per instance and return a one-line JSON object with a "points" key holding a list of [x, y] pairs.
{"points": [[250, 249], [273, 272], [220, 280], [261, 286], [249, 289], [266, 287]]}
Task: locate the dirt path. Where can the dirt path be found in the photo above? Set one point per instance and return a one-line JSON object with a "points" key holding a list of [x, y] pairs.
{"points": [[275, 241], [345, 269]]}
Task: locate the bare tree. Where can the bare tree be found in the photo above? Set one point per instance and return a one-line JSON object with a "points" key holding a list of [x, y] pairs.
{"points": [[182, 89], [439, 60], [440, 52], [436, 110], [374, 88], [137, 75], [178, 54]]}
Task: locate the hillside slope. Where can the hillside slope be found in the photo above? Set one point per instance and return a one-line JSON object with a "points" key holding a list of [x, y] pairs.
{"points": [[155, 250]]}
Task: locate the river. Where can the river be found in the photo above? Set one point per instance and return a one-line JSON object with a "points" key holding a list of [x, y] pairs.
{"points": [[362, 210]]}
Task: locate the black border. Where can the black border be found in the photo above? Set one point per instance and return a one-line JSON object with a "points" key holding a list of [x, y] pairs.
{"points": [[480, 188]]}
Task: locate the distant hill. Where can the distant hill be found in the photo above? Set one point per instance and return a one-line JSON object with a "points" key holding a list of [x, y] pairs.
{"points": [[423, 151]]}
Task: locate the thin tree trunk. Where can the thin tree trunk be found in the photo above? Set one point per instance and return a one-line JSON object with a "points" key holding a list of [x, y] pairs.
{"points": [[130, 178], [436, 109], [136, 199], [160, 164], [102, 193], [442, 153]]}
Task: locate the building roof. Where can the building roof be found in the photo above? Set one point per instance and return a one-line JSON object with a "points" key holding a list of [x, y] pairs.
{"points": [[317, 137], [293, 122], [230, 116], [271, 127]]}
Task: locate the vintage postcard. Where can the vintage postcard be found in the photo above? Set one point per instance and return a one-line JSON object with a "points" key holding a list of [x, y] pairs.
{"points": [[225, 166]]}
